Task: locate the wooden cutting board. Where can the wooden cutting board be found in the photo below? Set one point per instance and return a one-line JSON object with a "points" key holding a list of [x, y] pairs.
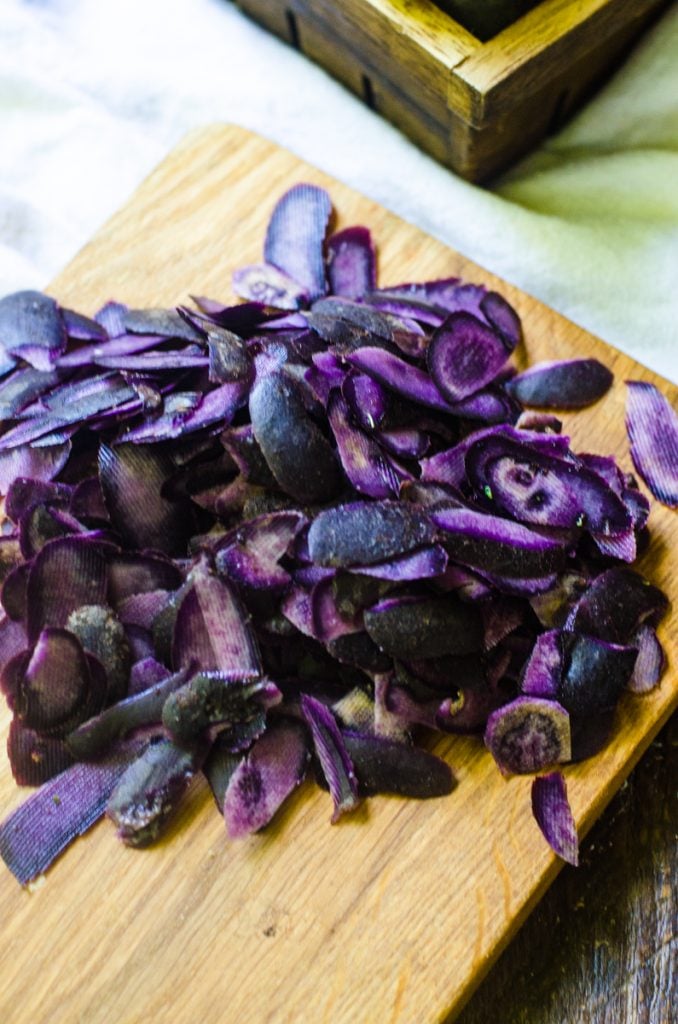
{"points": [[396, 913]]}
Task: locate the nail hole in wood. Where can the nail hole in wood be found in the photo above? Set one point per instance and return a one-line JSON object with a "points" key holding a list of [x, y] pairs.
{"points": [[292, 29], [368, 92]]}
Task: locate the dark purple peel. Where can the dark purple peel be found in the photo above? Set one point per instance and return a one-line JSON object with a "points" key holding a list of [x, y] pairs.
{"points": [[497, 545], [366, 399], [615, 604], [250, 554], [14, 592], [167, 323], [241, 445], [32, 328], [297, 453], [64, 808], [143, 609], [594, 674], [265, 777], [37, 463], [385, 766], [503, 317], [218, 769], [469, 710], [552, 813], [212, 630], [211, 699], [528, 734], [266, 284], [327, 623], [361, 458], [387, 301], [464, 355], [409, 627], [533, 487], [25, 493], [228, 357], [43, 523], [590, 734], [295, 236], [93, 737], [562, 384], [33, 756], [351, 263], [404, 442], [116, 348], [423, 563], [82, 328], [56, 682], [652, 428], [132, 478], [147, 794], [400, 376], [132, 573], [364, 533], [359, 650], [67, 573], [554, 605], [145, 674], [334, 758]]}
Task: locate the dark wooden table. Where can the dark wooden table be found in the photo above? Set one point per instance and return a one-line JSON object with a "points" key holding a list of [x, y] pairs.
{"points": [[601, 947]]}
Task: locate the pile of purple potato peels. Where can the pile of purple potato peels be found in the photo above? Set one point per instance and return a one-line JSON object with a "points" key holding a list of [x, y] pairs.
{"points": [[291, 535]]}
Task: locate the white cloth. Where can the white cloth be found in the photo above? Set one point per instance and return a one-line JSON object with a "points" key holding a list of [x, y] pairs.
{"points": [[93, 93]]}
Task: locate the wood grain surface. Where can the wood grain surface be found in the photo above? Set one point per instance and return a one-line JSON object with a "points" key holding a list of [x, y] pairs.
{"points": [[395, 914]]}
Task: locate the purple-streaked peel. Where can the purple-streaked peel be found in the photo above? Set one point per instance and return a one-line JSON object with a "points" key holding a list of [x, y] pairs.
{"points": [[500, 619], [300, 458], [147, 794], [533, 487], [404, 306], [334, 758], [650, 663], [212, 630], [562, 384], [24, 386], [615, 604], [82, 328], [528, 734], [145, 674], [544, 669], [327, 622], [32, 328], [553, 814], [265, 283], [37, 463], [67, 573], [64, 808], [464, 355], [386, 766], [364, 533], [652, 428], [265, 777], [495, 545], [426, 627], [361, 458], [125, 345], [295, 236], [351, 263], [424, 563], [366, 399], [250, 554], [398, 375]]}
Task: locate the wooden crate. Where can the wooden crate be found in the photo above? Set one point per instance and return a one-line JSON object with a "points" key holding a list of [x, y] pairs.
{"points": [[475, 106]]}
